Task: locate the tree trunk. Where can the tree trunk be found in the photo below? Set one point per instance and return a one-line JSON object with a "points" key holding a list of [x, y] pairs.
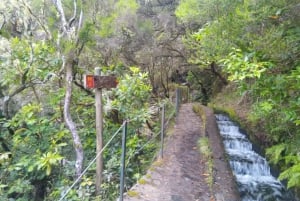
{"points": [[67, 116], [69, 64], [213, 67], [99, 135]]}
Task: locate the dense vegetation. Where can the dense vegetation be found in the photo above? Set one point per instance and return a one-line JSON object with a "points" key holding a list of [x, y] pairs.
{"points": [[47, 120], [256, 45], [47, 116]]}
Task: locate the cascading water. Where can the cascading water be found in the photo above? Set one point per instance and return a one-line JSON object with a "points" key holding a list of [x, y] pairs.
{"points": [[252, 172]]}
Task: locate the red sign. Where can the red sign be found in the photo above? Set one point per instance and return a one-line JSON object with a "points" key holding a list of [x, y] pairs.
{"points": [[89, 81], [99, 82]]}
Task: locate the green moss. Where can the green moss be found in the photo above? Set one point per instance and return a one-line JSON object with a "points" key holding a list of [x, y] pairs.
{"points": [[132, 193], [158, 163], [225, 110], [205, 150], [199, 110], [142, 181]]}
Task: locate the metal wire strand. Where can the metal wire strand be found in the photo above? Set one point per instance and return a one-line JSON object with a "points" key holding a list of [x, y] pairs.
{"points": [[90, 164]]}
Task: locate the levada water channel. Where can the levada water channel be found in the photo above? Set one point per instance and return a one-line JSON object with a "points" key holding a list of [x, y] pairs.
{"points": [[252, 172]]}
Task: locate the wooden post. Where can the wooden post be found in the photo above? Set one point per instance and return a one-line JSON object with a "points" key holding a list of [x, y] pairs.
{"points": [[162, 130], [99, 136], [122, 174]]}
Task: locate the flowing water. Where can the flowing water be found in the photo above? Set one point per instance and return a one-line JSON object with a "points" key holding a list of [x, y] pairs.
{"points": [[251, 170]]}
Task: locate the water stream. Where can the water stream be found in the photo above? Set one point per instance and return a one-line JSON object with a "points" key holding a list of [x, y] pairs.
{"points": [[251, 170]]}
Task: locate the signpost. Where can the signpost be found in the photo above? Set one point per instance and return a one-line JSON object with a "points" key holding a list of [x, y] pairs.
{"points": [[99, 82]]}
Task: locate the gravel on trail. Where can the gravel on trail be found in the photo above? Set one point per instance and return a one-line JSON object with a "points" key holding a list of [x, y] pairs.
{"points": [[182, 173]]}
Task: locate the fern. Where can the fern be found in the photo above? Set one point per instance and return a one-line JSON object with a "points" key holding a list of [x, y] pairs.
{"points": [[274, 153], [292, 175]]}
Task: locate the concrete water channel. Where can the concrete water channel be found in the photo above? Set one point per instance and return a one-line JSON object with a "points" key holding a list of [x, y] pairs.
{"points": [[251, 170]]}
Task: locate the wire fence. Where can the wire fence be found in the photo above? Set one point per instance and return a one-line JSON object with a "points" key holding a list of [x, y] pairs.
{"points": [[164, 123], [154, 137], [91, 163]]}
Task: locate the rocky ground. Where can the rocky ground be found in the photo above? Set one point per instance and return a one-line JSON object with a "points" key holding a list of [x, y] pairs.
{"points": [[182, 174]]}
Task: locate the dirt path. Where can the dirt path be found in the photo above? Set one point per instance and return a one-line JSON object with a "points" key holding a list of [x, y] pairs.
{"points": [[181, 174]]}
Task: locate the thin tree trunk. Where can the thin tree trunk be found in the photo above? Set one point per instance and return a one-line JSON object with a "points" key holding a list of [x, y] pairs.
{"points": [[68, 65], [213, 67], [67, 116]]}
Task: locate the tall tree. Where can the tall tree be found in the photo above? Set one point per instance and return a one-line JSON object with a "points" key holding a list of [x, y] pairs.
{"points": [[69, 31]]}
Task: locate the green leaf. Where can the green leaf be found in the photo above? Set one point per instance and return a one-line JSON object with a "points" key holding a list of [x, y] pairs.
{"points": [[31, 168], [275, 153], [267, 106], [3, 186], [48, 170], [292, 174]]}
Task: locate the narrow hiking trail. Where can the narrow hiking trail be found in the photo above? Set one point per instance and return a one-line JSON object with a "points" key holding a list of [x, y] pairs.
{"points": [[181, 174]]}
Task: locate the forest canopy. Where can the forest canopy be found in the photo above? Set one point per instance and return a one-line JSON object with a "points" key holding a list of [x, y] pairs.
{"points": [[47, 115]]}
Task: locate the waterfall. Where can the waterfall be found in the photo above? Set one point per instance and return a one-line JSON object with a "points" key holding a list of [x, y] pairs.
{"points": [[252, 172]]}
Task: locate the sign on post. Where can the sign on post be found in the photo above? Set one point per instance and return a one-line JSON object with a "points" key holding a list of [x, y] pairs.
{"points": [[89, 81], [100, 82]]}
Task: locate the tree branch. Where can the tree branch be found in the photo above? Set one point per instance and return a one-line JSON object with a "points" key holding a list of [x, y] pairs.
{"points": [[79, 23], [8, 98], [38, 20], [60, 10], [4, 21], [213, 66], [88, 92], [72, 20]]}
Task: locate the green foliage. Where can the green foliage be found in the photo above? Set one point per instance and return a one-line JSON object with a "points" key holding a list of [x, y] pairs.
{"points": [[257, 45], [292, 174], [107, 28], [132, 96], [47, 161], [187, 10], [126, 6], [27, 62], [278, 105], [193, 11], [275, 153], [87, 32], [240, 66], [41, 155], [205, 149], [198, 109], [116, 16], [223, 28], [145, 26], [281, 154], [85, 190], [42, 141]]}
